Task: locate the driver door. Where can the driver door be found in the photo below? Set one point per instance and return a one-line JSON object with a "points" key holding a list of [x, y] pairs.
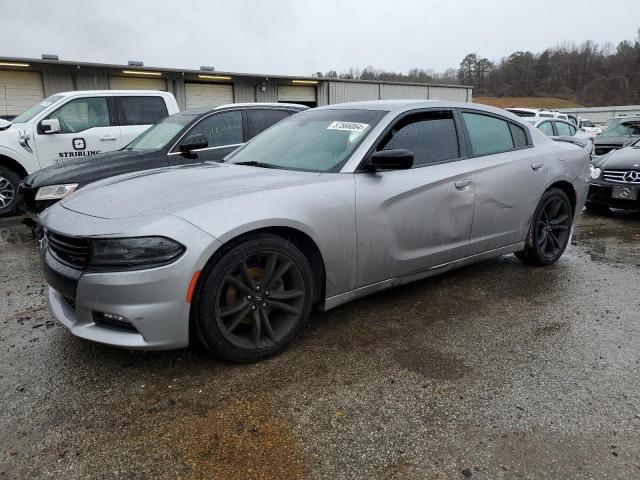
{"points": [[408, 221], [86, 128]]}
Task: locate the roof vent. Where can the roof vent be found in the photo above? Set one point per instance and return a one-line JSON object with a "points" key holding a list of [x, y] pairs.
{"points": [[205, 68], [135, 63], [49, 56]]}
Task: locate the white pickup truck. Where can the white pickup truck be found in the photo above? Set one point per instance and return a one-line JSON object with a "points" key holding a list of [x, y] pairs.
{"points": [[74, 124]]}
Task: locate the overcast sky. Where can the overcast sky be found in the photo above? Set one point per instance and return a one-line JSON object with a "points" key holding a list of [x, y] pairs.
{"points": [[301, 37]]}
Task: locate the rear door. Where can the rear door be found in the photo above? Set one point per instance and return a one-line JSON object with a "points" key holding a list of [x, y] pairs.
{"points": [[137, 113], [224, 134], [87, 126], [510, 178], [408, 221]]}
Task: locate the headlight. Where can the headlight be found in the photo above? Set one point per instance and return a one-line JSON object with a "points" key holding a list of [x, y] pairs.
{"points": [[595, 172], [134, 251], [55, 192]]}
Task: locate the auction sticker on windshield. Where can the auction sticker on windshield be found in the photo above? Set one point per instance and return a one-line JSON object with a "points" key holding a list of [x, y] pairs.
{"points": [[348, 126]]}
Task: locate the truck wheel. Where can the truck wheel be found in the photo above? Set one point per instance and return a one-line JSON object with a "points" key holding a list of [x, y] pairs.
{"points": [[9, 181], [549, 230]]}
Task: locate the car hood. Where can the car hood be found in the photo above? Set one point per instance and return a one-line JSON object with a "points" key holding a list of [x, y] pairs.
{"points": [[168, 191], [84, 170], [613, 140], [624, 159]]}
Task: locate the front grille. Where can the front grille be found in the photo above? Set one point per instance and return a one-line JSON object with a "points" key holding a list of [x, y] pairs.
{"points": [[71, 251], [618, 176], [604, 149]]}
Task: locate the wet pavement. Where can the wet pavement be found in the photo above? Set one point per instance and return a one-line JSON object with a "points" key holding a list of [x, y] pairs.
{"points": [[498, 370]]}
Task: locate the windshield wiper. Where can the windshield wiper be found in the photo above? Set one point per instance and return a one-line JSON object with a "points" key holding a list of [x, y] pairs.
{"points": [[253, 163]]}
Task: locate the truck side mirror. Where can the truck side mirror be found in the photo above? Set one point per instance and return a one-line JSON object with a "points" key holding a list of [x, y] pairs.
{"points": [[51, 125]]}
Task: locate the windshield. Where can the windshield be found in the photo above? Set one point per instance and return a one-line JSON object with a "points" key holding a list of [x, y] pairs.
{"points": [[623, 129], [161, 133], [315, 141], [31, 112]]}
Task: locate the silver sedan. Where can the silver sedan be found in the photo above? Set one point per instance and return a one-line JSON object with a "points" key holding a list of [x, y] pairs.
{"points": [[327, 206]]}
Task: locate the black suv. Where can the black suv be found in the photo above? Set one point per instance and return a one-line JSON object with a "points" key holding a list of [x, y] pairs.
{"points": [[191, 136]]}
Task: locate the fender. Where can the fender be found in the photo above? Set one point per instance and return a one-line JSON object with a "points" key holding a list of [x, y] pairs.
{"points": [[29, 164]]}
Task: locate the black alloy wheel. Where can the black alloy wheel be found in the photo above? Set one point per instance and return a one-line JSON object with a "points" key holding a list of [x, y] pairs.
{"points": [[549, 231], [255, 299]]}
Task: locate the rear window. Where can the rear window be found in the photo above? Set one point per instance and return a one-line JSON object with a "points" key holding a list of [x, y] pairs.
{"points": [[142, 110], [522, 113], [487, 134], [519, 136]]}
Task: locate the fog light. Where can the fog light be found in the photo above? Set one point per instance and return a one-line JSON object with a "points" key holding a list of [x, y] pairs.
{"points": [[108, 319]]}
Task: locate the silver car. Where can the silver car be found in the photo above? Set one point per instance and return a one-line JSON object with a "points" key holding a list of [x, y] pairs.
{"points": [[327, 206]]}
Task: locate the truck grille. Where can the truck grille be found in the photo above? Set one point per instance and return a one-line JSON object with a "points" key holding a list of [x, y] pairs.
{"points": [[622, 176], [73, 252]]}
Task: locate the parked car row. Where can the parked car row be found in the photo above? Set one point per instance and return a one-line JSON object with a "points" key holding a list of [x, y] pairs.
{"points": [[234, 222]]}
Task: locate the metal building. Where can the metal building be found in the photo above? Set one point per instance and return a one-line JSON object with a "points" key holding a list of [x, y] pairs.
{"points": [[25, 81], [602, 114]]}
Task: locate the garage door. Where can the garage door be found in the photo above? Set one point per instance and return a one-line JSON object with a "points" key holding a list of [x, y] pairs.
{"points": [[293, 94], [207, 94], [18, 91], [134, 83]]}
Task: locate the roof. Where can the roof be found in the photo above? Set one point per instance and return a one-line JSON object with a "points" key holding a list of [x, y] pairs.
{"points": [[182, 71], [203, 110], [111, 92]]}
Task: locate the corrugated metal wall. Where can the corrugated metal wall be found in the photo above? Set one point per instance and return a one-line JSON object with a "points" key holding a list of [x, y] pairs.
{"points": [[340, 92]]}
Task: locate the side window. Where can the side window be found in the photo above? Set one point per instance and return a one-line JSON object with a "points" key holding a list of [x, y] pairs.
{"points": [[563, 128], [546, 128], [519, 136], [487, 134], [142, 110], [573, 129], [259, 120], [220, 129], [430, 136], [81, 114]]}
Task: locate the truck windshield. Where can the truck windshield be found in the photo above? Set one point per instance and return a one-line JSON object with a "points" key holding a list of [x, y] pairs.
{"points": [[314, 141], [31, 112], [161, 133]]}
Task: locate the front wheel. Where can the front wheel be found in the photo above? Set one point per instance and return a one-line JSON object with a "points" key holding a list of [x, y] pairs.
{"points": [[549, 231], [255, 299]]}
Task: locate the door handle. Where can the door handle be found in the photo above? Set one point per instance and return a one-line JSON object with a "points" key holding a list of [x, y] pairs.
{"points": [[106, 138], [537, 166], [462, 184]]}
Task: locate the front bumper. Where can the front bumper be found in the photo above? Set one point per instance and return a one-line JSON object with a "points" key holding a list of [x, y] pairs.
{"points": [[600, 194], [153, 301]]}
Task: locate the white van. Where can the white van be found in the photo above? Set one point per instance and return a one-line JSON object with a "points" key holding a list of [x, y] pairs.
{"points": [[76, 124], [536, 113]]}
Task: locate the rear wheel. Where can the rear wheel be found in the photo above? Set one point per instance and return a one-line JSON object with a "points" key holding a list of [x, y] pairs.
{"points": [[549, 231], [9, 181], [255, 299]]}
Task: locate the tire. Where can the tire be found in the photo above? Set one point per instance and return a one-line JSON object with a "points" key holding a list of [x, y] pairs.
{"points": [[9, 181], [549, 231], [255, 298]]}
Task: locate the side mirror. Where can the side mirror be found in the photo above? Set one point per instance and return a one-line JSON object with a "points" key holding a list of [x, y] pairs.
{"points": [[52, 125], [194, 142], [397, 159]]}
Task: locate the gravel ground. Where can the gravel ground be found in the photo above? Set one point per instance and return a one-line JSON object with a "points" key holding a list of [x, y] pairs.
{"points": [[496, 371]]}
